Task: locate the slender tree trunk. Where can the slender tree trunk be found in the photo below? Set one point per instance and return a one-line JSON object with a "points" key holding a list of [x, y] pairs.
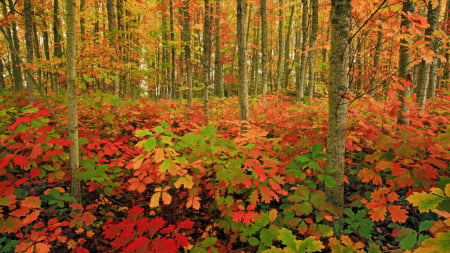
{"points": [[298, 72], [218, 73], [376, 63], [28, 16], [242, 61], [301, 87], [337, 103], [57, 43], [255, 61], [172, 53], [431, 92], [207, 55], [312, 42], [446, 75], [82, 19], [186, 34], [280, 46], [264, 35], [110, 8], [11, 32], [72, 97], [287, 49], [2, 79], [424, 69], [404, 68]]}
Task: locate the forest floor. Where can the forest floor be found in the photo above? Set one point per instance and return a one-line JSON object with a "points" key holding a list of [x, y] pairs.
{"points": [[156, 177]]}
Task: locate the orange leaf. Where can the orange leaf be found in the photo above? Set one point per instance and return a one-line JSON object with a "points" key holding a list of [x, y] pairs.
{"points": [[154, 201], [391, 197], [377, 212], [159, 155], [193, 202], [369, 176], [398, 214], [30, 218], [167, 199], [31, 202]]}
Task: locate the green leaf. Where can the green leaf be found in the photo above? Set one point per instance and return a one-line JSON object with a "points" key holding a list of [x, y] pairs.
{"points": [[329, 182], [266, 237], [209, 131], [208, 242], [316, 149], [150, 144], [142, 133], [253, 241], [408, 241], [310, 245], [425, 225], [287, 238], [426, 201], [249, 146]]}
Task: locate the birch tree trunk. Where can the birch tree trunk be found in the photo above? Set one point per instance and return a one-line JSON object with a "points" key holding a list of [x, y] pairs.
{"points": [[72, 100], [337, 103]]}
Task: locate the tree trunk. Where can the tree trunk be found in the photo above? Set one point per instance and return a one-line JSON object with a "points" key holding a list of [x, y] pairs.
{"points": [[301, 85], [172, 53], [280, 46], [207, 55], [218, 73], [298, 72], [404, 68], [287, 49], [72, 100], [312, 42], [376, 63], [264, 35], [446, 75], [2, 79], [431, 92], [28, 16], [242, 62], [424, 69], [337, 103], [186, 37]]}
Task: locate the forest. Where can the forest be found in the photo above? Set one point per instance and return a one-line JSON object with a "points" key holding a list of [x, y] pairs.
{"points": [[224, 126]]}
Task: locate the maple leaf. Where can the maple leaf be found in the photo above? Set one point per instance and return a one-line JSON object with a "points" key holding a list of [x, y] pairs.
{"points": [[30, 218], [397, 213], [193, 202], [246, 217], [139, 243], [186, 224], [136, 184], [60, 142], [31, 202], [135, 212], [164, 245], [155, 224], [182, 240], [377, 212], [88, 218], [35, 173], [187, 181], [369, 176], [21, 160]]}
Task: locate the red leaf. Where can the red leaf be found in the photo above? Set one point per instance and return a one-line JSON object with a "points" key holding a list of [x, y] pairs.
{"points": [[244, 216], [60, 142], [139, 243], [155, 225], [377, 212], [35, 173], [164, 245], [88, 218], [21, 160], [186, 224], [182, 240], [398, 214], [21, 181], [18, 122], [369, 176], [135, 212]]}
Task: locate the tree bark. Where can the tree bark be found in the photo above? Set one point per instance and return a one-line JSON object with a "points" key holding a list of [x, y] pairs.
{"points": [[301, 85], [2, 79], [280, 46], [186, 37], [376, 63], [207, 55], [404, 68], [424, 68], [287, 49], [312, 42], [72, 100], [264, 35], [28, 17], [242, 62], [218, 73], [337, 103]]}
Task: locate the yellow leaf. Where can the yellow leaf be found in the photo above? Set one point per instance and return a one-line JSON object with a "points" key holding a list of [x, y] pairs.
{"points": [[167, 199], [273, 215], [186, 181], [79, 230], [42, 248], [90, 234], [159, 155], [71, 244], [447, 190], [154, 201]]}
